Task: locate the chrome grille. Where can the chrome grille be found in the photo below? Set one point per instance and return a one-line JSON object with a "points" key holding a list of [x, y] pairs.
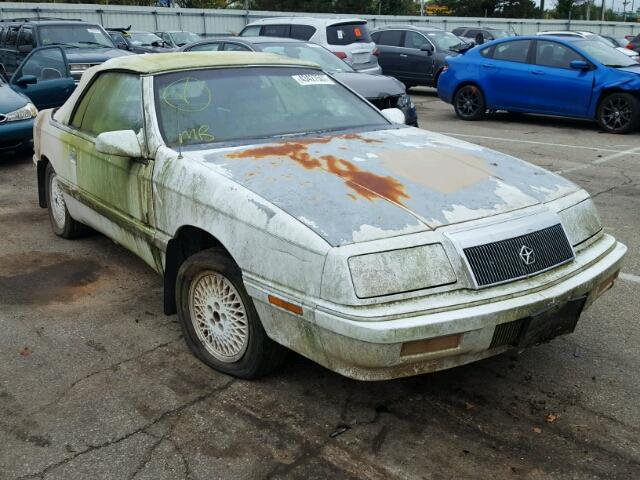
{"points": [[510, 259]]}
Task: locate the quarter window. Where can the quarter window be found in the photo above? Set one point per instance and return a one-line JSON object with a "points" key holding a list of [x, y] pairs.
{"points": [[251, 31], [206, 47], [12, 36], [26, 37], [302, 32], [392, 38], [516, 51], [113, 102], [552, 54]]}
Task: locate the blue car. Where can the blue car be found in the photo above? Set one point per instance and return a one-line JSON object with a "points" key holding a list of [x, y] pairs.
{"points": [[571, 77]]}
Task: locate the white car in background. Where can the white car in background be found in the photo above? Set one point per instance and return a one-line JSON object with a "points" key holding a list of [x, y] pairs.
{"points": [[592, 36], [347, 38]]}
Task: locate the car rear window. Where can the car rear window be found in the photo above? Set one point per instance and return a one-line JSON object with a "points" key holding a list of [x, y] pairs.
{"points": [[347, 33], [275, 31]]}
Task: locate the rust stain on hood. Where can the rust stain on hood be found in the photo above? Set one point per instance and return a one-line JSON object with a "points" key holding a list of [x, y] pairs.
{"points": [[366, 184]]}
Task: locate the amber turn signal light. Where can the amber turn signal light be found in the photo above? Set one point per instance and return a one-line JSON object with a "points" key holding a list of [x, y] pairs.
{"points": [[291, 307], [430, 345]]}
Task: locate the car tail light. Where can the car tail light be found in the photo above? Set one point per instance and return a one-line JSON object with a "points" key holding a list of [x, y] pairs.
{"points": [[376, 51], [340, 55], [630, 47]]}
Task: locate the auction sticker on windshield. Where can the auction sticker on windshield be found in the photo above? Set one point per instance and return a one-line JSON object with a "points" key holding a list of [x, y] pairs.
{"points": [[311, 79]]}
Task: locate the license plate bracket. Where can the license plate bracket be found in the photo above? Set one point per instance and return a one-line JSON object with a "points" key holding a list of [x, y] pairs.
{"points": [[544, 326]]}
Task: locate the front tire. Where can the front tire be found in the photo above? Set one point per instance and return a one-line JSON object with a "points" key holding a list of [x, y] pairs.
{"points": [[619, 113], [61, 222], [469, 103], [219, 320]]}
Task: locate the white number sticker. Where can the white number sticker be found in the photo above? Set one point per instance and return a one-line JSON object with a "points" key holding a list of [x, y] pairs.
{"points": [[312, 79]]}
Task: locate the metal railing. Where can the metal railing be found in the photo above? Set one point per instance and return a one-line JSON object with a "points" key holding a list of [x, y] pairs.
{"points": [[228, 22]]}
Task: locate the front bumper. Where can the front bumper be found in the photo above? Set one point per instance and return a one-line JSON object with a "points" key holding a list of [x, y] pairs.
{"points": [[366, 348], [16, 135]]}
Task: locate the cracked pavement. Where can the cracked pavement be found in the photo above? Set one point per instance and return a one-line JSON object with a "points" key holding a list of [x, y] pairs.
{"points": [[95, 382]]}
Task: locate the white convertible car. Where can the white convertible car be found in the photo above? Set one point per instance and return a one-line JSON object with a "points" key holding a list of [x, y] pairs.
{"points": [[283, 209]]}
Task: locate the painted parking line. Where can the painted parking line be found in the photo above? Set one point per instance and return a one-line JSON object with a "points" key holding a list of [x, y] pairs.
{"points": [[629, 277], [634, 151], [598, 161]]}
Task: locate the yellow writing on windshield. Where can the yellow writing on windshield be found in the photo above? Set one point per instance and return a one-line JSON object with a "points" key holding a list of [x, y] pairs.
{"points": [[199, 134], [187, 94]]}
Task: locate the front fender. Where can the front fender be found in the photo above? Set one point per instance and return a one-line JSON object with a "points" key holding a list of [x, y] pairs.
{"points": [[613, 81]]}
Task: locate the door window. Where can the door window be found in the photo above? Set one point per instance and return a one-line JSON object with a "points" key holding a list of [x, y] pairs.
{"points": [[234, 47], [516, 51], [26, 38], [206, 47], [12, 36], [45, 64], [414, 40], [302, 32], [275, 31], [392, 38], [552, 54], [113, 102]]}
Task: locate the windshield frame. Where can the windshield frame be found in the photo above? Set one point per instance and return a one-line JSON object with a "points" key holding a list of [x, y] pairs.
{"points": [[155, 95]]}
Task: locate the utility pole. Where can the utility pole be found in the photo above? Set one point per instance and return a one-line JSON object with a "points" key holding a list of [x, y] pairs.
{"points": [[421, 8], [542, 8], [604, 7], [624, 10]]}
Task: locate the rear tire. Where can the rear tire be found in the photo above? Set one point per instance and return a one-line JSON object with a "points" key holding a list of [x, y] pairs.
{"points": [[619, 113], [62, 223], [219, 320], [469, 103]]}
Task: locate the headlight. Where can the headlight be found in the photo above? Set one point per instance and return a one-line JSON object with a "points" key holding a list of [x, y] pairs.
{"points": [[79, 67], [24, 113], [398, 271], [405, 101], [580, 221]]}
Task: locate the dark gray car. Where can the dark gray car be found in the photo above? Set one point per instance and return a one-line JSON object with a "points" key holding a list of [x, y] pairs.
{"points": [[383, 92], [414, 55]]}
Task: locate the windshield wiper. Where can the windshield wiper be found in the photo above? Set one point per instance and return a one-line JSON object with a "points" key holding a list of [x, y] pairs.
{"points": [[94, 43], [63, 44], [619, 66]]}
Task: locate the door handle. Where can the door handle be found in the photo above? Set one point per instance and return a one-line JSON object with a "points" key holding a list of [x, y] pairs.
{"points": [[403, 55], [537, 72], [488, 65]]}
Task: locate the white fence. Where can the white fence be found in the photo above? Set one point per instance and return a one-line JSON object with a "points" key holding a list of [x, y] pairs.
{"points": [[229, 22]]}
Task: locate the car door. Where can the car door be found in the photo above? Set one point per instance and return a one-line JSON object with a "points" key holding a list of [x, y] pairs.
{"points": [[555, 87], [44, 77], [417, 58], [504, 73], [115, 187], [390, 45]]}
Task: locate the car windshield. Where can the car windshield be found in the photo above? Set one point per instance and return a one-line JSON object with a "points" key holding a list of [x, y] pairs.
{"points": [[605, 54], [309, 52], [85, 36], [231, 104], [143, 39], [182, 38], [443, 40]]}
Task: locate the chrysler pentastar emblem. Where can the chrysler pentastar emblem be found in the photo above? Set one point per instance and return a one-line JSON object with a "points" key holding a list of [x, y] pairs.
{"points": [[527, 255]]}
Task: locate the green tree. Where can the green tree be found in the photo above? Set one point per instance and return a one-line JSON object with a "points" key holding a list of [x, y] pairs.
{"points": [[470, 8]]}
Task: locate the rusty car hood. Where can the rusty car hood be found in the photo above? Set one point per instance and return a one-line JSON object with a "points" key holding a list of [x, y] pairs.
{"points": [[364, 186]]}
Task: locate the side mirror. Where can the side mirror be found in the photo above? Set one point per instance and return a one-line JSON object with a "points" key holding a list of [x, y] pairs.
{"points": [[394, 115], [25, 48], [122, 46], [121, 143], [579, 65], [426, 48], [25, 80]]}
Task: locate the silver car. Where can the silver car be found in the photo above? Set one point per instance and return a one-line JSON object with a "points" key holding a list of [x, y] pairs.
{"points": [[347, 38]]}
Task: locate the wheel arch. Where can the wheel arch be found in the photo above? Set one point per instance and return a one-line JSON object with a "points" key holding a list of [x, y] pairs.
{"points": [[608, 91], [187, 241]]}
